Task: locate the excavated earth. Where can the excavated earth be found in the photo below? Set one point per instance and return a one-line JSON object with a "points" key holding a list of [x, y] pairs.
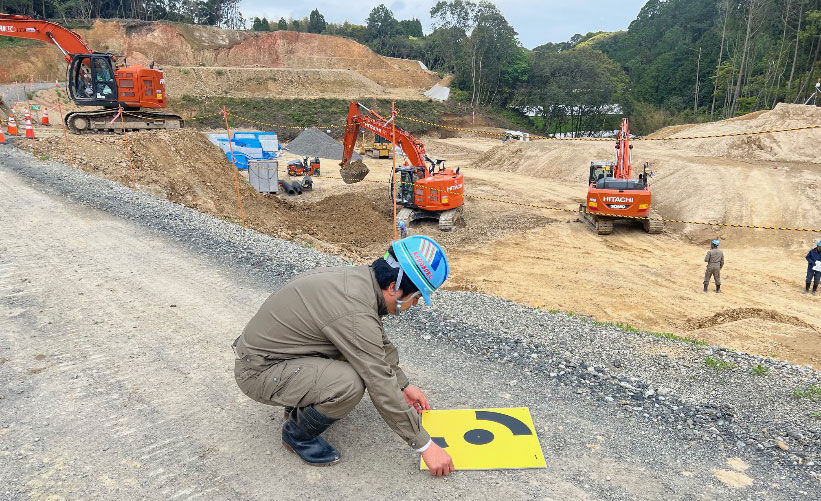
{"points": [[208, 61], [544, 257]]}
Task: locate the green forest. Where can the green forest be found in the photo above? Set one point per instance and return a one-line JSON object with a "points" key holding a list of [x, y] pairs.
{"points": [[678, 61]]}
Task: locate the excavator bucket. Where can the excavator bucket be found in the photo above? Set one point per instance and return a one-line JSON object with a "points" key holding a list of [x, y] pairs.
{"points": [[353, 172]]}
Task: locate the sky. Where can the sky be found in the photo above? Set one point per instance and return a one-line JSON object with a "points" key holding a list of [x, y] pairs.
{"points": [[537, 22]]}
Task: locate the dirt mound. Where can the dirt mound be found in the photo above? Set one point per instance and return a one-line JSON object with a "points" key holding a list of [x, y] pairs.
{"points": [[797, 146], [549, 159], [736, 314], [356, 219], [184, 167]]}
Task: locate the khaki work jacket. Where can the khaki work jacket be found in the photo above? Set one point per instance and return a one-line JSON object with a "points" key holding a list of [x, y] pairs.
{"points": [[335, 313], [714, 259]]}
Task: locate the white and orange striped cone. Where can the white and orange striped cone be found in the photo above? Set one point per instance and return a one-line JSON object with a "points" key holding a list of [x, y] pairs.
{"points": [[44, 118], [2, 137], [27, 115], [29, 129], [11, 128]]}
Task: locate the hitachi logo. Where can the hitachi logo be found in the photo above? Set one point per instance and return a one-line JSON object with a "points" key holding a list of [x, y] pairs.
{"points": [[618, 199]]}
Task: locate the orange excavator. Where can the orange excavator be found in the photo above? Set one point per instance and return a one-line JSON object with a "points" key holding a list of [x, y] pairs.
{"points": [[95, 79], [425, 191], [613, 195]]}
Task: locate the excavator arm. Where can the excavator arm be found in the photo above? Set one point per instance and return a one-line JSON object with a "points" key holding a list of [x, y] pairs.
{"points": [[624, 152], [414, 150], [66, 40]]}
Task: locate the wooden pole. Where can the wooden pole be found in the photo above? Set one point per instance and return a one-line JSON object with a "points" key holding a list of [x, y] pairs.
{"points": [[234, 163], [393, 172]]}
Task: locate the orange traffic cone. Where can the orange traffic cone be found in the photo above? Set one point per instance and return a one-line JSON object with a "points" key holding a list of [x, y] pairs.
{"points": [[29, 130], [11, 128], [2, 137], [44, 119]]}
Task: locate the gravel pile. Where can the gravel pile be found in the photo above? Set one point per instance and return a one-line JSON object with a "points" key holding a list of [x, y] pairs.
{"points": [[315, 143]]}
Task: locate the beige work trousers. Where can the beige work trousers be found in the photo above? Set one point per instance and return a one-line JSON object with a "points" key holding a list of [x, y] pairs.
{"points": [[712, 271], [333, 387]]}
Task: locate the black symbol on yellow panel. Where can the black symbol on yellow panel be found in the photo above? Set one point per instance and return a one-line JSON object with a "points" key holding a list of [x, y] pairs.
{"points": [[480, 436]]}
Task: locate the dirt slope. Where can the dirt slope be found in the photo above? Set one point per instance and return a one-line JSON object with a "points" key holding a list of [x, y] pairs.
{"points": [[172, 44], [732, 180]]}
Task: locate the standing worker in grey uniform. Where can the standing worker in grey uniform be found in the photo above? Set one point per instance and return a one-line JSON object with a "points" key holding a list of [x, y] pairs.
{"points": [[715, 261], [813, 268], [317, 343]]}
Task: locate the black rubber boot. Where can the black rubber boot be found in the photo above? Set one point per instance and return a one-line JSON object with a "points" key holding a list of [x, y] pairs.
{"points": [[705, 287], [807, 288], [300, 435], [718, 288]]}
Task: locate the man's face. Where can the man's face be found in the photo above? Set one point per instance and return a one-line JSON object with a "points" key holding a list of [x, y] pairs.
{"points": [[407, 302], [398, 301]]}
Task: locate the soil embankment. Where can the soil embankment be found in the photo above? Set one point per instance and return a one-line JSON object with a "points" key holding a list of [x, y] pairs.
{"points": [[206, 61]]}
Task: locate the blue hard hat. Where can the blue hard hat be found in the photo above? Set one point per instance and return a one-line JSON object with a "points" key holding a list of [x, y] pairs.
{"points": [[819, 243], [715, 242], [423, 261]]}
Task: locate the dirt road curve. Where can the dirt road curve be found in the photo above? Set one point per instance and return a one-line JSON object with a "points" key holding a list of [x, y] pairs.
{"points": [[116, 380]]}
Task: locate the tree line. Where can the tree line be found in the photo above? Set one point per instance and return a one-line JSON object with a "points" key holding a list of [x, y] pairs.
{"points": [[679, 60], [224, 13]]}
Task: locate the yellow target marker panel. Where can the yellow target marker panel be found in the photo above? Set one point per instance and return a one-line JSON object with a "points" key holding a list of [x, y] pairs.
{"points": [[485, 439]]}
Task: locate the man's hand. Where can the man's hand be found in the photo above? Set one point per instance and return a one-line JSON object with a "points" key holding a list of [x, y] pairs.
{"points": [[416, 399], [438, 461]]}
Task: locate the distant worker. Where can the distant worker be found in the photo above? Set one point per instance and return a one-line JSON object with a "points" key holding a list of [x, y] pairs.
{"points": [[813, 268], [715, 261], [317, 343]]}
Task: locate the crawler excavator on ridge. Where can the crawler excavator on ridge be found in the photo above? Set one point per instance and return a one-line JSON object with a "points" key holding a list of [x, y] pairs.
{"points": [[95, 79], [424, 192], [612, 195]]}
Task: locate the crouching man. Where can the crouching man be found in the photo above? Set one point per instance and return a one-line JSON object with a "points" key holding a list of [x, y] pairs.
{"points": [[318, 343]]}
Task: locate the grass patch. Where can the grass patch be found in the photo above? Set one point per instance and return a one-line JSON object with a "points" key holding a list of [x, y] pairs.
{"points": [[812, 392], [661, 335], [10, 42], [816, 415], [302, 113], [718, 364], [759, 370]]}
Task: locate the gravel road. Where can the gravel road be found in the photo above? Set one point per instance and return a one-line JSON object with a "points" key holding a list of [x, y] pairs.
{"points": [[116, 314]]}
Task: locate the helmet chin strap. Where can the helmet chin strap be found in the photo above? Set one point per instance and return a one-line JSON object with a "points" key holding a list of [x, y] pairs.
{"points": [[393, 263]]}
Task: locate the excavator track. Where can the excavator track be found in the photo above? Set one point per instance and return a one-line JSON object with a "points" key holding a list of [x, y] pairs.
{"points": [[447, 219], [654, 224], [602, 226], [107, 121]]}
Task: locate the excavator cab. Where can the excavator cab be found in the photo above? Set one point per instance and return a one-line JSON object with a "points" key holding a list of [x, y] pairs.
{"points": [[91, 80], [600, 170]]}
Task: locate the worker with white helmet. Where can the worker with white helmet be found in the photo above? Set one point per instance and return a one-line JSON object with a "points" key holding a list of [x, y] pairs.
{"points": [[715, 261], [813, 268], [317, 343]]}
